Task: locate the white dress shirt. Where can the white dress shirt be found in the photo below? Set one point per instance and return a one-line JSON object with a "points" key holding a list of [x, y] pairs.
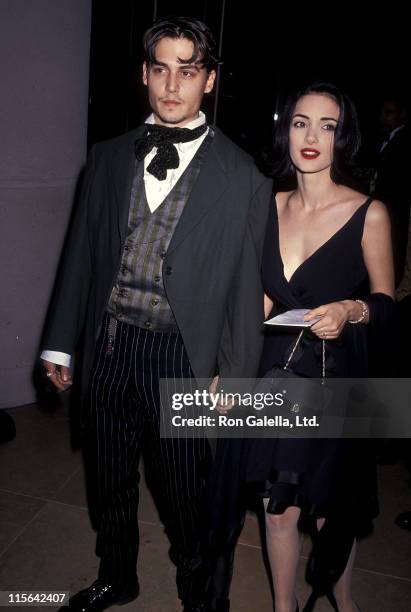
{"points": [[156, 192]]}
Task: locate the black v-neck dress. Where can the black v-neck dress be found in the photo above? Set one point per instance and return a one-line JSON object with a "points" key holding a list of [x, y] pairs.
{"points": [[330, 478], [324, 476], [335, 271]]}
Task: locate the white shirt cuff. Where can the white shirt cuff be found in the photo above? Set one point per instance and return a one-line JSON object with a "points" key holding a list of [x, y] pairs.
{"points": [[56, 357]]}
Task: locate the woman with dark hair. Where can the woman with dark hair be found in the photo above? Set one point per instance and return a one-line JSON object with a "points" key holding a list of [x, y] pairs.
{"points": [[327, 250]]}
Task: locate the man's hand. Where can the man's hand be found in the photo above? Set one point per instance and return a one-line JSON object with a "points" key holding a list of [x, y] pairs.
{"points": [[58, 375], [223, 405]]}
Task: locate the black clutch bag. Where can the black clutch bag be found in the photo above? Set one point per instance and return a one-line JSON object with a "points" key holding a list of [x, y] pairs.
{"points": [[302, 396]]}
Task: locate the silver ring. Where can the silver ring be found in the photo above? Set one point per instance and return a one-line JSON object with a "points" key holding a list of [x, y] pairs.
{"points": [[48, 374]]}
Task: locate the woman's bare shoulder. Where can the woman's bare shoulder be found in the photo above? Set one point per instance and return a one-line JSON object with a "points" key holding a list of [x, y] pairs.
{"points": [[377, 213], [352, 198]]}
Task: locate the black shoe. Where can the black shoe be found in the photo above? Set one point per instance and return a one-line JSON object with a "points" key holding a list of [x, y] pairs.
{"points": [[7, 427], [332, 600], [403, 520], [101, 595], [201, 607], [222, 605]]}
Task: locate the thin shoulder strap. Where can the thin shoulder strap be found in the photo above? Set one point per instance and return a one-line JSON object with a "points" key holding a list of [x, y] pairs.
{"points": [[364, 207], [361, 211]]}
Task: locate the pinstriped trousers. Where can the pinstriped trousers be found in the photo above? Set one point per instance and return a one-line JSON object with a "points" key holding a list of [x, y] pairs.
{"points": [[122, 420]]}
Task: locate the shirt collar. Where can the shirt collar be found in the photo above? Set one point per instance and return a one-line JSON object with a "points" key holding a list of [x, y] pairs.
{"points": [[200, 120], [394, 131], [185, 147]]}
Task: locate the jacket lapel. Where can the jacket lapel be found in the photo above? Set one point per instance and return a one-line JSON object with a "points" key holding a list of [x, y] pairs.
{"points": [[211, 184], [122, 174]]}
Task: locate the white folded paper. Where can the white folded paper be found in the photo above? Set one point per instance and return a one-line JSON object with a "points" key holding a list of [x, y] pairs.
{"points": [[292, 318]]}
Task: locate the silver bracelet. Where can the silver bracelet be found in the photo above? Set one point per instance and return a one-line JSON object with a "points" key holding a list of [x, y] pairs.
{"points": [[364, 313]]}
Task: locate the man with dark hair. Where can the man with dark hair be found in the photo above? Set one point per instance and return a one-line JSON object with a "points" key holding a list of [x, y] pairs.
{"points": [[391, 178], [204, 52], [161, 272]]}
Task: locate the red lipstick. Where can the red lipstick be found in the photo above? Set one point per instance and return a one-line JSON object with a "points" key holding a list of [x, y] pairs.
{"points": [[310, 153]]}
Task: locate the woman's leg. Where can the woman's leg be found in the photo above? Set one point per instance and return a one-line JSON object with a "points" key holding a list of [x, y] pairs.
{"points": [[342, 588], [283, 547]]}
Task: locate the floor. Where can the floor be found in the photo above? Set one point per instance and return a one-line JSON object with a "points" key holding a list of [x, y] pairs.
{"points": [[46, 542]]}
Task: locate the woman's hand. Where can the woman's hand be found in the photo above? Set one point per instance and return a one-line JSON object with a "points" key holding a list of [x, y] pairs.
{"points": [[333, 318]]}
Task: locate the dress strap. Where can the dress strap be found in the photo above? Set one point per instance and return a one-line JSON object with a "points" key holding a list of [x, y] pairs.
{"points": [[364, 207], [359, 216]]}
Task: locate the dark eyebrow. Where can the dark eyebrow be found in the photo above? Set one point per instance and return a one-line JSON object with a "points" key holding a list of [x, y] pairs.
{"points": [[322, 118], [183, 63], [187, 64]]}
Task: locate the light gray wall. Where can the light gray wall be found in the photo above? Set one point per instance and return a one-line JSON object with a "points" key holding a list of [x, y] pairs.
{"points": [[44, 69]]}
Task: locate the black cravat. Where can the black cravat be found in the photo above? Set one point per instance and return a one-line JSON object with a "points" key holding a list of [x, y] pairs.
{"points": [[164, 139]]}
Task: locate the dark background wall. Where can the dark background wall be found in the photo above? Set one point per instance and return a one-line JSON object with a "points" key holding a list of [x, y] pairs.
{"points": [[44, 61]]}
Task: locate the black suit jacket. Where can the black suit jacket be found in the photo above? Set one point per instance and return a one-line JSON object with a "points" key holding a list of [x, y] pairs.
{"points": [[393, 167], [392, 188], [213, 282]]}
